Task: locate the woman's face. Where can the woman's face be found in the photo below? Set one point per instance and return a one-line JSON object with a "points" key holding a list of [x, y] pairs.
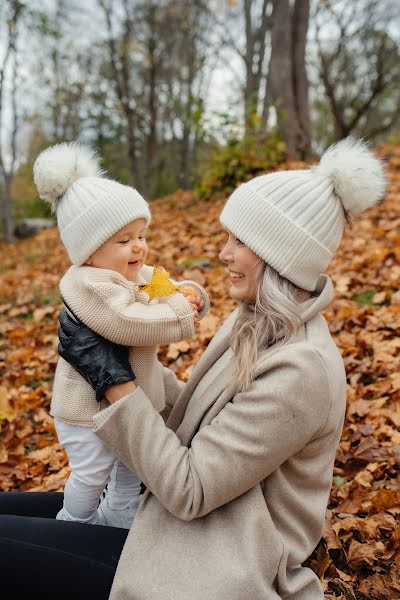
{"points": [[242, 266]]}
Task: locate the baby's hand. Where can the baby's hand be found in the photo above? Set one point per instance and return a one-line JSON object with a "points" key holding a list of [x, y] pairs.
{"points": [[194, 297], [195, 313], [193, 306]]}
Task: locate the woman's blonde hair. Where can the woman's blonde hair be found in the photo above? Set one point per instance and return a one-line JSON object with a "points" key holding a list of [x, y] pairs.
{"points": [[264, 325]]}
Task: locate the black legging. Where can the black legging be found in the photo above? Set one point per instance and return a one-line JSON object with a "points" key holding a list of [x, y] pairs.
{"points": [[42, 558]]}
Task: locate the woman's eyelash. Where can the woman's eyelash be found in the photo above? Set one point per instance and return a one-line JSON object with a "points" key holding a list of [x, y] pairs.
{"points": [[239, 242]]}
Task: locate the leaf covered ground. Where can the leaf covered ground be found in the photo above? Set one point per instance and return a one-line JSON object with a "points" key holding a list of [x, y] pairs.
{"points": [[359, 555]]}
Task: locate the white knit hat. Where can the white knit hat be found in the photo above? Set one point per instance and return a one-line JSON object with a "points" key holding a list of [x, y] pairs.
{"points": [[90, 208], [294, 220]]}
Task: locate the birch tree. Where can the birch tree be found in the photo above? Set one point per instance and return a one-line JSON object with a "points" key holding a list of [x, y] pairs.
{"points": [[8, 94]]}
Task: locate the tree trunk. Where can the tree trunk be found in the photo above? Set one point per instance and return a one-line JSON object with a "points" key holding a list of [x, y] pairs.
{"points": [[7, 216], [11, 53], [254, 58], [286, 88], [280, 76], [152, 105], [301, 14], [121, 76]]}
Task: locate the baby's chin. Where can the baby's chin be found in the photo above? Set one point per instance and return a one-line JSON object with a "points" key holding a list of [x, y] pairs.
{"points": [[133, 272]]}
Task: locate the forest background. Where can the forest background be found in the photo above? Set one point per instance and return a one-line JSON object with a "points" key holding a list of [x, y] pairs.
{"points": [[202, 94], [184, 100]]}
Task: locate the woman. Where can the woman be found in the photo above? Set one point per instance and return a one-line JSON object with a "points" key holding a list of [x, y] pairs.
{"points": [[238, 478]]}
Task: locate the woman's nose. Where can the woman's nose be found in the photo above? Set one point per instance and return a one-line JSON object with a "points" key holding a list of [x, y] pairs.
{"points": [[225, 255]]}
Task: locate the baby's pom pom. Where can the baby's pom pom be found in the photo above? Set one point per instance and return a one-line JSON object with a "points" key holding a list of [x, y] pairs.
{"points": [[58, 166], [357, 174]]}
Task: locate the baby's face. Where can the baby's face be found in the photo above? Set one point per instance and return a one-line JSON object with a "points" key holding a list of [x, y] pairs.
{"points": [[125, 252]]}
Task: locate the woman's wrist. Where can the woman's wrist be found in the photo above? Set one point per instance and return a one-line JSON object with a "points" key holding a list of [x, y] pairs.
{"points": [[119, 390]]}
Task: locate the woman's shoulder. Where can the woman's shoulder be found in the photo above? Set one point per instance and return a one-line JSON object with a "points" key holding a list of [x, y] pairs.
{"points": [[312, 344], [308, 372]]}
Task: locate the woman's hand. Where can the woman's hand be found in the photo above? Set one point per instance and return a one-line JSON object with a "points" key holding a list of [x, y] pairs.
{"points": [[100, 362]]}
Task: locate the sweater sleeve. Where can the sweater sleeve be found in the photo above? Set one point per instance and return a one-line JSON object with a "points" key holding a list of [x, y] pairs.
{"points": [[251, 436], [108, 305]]}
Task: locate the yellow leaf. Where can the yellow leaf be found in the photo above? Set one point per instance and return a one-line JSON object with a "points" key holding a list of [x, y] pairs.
{"points": [[159, 286]]}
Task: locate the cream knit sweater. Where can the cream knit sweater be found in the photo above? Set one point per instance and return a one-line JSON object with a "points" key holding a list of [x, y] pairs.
{"points": [[113, 307]]}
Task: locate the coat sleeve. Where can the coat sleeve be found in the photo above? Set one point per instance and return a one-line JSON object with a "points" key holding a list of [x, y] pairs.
{"points": [[252, 436], [114, 315], [173, 387]]}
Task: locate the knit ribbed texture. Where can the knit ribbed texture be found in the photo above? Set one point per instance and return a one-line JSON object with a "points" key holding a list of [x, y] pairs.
{"points": [[291, 219], [113, 307], [92, 210]]}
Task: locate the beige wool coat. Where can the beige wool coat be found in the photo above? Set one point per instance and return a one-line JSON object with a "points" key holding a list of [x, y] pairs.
{"points": [[237, 486], [114, 307]]}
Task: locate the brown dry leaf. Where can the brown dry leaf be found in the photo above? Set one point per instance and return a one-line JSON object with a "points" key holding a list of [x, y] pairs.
{"points": [[177, 348], [195, 275], [208, 326], [6, 410], [361, 555], [381, 587], [40, 313], [385, 499]]}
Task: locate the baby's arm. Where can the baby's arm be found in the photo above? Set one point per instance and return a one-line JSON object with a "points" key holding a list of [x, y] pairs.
{"points": [[109, 304], [132, 323]]}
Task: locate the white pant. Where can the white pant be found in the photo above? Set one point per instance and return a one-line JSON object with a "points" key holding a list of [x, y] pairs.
{"points": [[92, 466]]}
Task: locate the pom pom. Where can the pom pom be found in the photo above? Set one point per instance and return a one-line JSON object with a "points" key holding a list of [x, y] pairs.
{"points": [[58, 166], [357, 174]]}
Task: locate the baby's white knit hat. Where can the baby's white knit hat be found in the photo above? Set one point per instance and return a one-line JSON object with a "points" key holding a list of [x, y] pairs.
{"points": [[294, 220], [89, 208]]}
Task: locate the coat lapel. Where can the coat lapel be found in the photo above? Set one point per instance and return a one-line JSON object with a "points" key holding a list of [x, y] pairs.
{"points": [[215, 394], [218, 345]]}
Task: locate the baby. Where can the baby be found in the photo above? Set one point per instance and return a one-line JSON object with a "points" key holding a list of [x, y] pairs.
{"points": [[103, 227]]}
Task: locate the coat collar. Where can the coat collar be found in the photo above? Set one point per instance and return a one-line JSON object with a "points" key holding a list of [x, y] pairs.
{"points": [[219, 395], [218, 345], [320, 299]]}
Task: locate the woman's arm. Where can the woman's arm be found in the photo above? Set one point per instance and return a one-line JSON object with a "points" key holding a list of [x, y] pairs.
{"points": [[252, 436], [173, 387]]}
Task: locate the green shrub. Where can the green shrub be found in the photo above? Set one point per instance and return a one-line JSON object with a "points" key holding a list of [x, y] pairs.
{"points": [[238, 161]]}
